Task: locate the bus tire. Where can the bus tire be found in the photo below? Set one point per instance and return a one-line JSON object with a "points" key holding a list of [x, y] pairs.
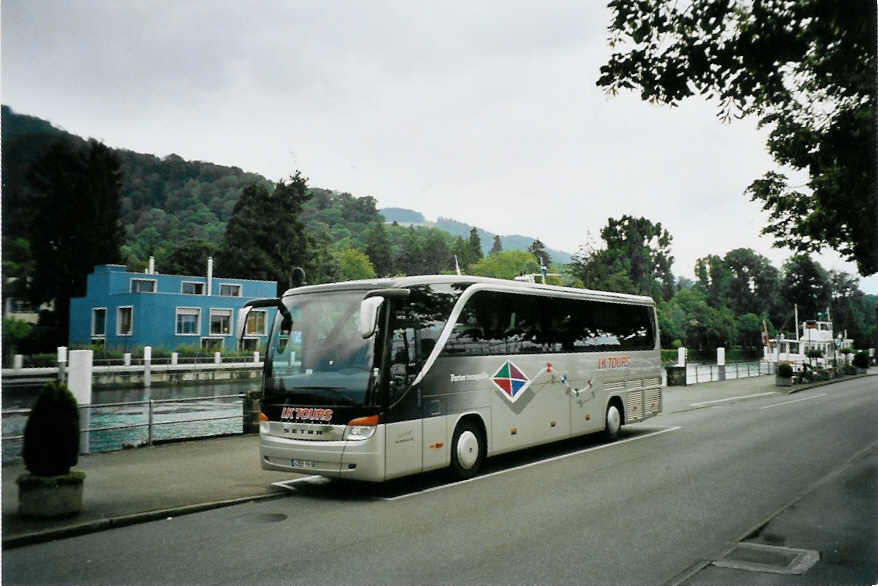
{"points": [[467, 450], [613, 421]]}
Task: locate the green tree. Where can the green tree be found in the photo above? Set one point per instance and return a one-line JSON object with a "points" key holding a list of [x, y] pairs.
{"points": [[435, 247], [353, 264], [497, 246], [749, 328], [538, 249], [806, 284], [506, 264], [852, 311], [75, 194], [715, 279], [474, 245], [637, 259], [265, 237], [755, 283], [705, 328], [188, 257], [804, 69], [378, 249]]}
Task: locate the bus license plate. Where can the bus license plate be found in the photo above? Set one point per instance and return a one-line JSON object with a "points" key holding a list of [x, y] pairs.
{"points": [[295, 463]]}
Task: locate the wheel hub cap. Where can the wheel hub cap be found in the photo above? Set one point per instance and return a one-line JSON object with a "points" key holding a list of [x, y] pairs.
{"points": [[467, 449]]}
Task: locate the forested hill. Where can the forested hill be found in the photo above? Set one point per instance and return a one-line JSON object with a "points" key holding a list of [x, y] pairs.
{"points": [[165, 201]]}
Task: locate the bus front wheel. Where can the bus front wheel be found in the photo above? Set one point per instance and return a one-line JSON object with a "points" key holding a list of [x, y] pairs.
{"points": [[613, 421], [467, 450]]}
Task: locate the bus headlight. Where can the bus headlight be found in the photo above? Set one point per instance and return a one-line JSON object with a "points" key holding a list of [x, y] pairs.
{"points": [[361, 428]]}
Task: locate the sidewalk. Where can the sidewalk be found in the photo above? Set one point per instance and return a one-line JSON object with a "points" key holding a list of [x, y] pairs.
{"points": [[143, 484]]}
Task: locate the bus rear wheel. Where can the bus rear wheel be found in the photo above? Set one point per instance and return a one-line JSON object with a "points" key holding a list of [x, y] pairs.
{"points": [[613, 421], [467, 450]]}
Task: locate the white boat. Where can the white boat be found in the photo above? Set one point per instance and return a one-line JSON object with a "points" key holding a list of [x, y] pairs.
{"points": [[815, 333]]}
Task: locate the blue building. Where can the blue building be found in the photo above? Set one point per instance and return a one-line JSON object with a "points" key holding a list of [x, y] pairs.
{"points": [[123, 310]]}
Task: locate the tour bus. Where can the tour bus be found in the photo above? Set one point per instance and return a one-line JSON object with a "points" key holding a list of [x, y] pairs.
{"points": [[382, 378]]}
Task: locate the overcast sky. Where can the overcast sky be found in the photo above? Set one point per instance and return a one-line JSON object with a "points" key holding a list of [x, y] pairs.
{"points": [[487, 113]]}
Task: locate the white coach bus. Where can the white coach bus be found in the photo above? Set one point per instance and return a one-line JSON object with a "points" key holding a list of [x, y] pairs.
{"points": [[377, 379]]}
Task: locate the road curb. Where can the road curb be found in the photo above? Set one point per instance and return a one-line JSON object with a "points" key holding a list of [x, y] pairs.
{"points": [[823, 383], [132, 519]]}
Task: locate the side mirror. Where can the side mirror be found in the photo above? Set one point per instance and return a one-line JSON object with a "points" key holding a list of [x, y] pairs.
{"points": [[241, 323], [369, 315], [244, 313]]}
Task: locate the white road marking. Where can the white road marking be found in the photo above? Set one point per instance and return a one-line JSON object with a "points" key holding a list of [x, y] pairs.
{"points": [[703, 403], [288, 484], [772, 406], [523, 466]]}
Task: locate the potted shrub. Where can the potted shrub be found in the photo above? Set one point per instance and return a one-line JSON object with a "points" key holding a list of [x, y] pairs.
{"points": [[50, 450], [784, 375], [861, 361]]}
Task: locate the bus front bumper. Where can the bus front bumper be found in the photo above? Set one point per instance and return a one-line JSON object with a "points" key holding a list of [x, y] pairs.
{"points": [[353, 459]]}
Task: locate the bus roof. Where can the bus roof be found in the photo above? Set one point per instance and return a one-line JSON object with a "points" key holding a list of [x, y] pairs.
{"points": [[402, 282]]}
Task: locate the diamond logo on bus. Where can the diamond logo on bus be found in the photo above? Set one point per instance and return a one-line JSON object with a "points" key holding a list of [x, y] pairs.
{"points": [[511, 381]]}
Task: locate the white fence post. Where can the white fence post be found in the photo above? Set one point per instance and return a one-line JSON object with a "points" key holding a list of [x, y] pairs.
{"points": [[62, 364], [80, 379], [147, 366], [175, 357], [18, 362]]}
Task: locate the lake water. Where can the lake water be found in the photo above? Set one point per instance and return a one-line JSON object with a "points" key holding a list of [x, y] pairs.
{"points": [[114, 426]]}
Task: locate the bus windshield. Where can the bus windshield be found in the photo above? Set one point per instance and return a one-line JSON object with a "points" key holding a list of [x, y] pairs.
{"points": [[318, 357]]}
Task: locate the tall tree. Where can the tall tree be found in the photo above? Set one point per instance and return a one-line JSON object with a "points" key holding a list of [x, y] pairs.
{"points": [[805, 69], [353, 264], [378, 249], [538, 249], [75, 193], [188, 257], [755, 283], [715, 279], [265, 238], [806, 284], [497, 246], [637, 259], [474, 245]]}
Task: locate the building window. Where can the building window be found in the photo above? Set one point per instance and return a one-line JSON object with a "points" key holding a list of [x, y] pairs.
{"points": [[256, 322], [220, 322], [99, 322], [192, 288], [124, 321], [188, 321], [250, 344], [212, 344], [229, 290], [22, 306], [143, 285]]}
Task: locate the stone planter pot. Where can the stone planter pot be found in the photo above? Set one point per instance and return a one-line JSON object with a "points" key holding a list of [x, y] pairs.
{"points": [[50, 496], [783, 381]]}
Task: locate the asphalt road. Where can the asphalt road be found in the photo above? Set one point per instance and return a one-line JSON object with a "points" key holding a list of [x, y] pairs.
{"points": [[672, 492]]}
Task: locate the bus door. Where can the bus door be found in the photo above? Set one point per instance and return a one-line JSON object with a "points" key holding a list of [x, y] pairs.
{"points": [[403, 433]]}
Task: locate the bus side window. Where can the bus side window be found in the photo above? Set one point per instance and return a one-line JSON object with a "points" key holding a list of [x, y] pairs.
{"points": [[402, 360]]}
